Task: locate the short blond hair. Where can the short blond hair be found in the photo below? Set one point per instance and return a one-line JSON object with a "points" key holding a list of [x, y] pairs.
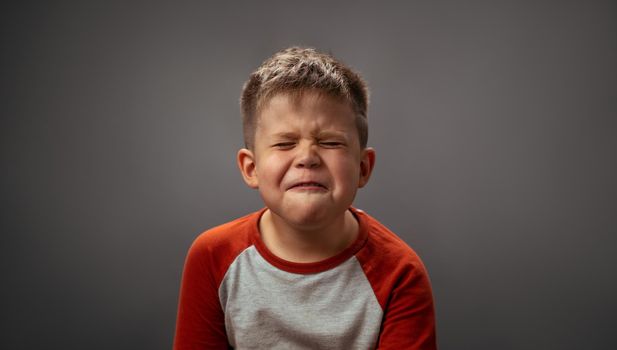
{"points": [[295, 70]]}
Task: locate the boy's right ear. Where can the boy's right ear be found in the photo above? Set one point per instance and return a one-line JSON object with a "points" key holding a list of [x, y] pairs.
{"points": [[246, 163]]}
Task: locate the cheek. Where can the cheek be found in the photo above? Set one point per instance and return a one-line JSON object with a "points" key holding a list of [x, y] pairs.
{"points": [[346, 170], [273, 168]]}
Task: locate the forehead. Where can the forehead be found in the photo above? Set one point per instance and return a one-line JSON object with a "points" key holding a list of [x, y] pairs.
{"points": [[306, 110]]}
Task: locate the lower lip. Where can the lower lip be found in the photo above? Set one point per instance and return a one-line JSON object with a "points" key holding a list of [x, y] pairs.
{"points": [[308, 188]]}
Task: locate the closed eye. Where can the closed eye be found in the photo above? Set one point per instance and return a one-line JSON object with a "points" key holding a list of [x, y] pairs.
{"points": [[331, 144], [284, 145]]}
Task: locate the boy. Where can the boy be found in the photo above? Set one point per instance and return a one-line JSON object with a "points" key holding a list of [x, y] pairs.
{"points": [[308, 271]]}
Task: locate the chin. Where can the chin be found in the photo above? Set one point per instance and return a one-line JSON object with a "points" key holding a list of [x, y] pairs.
{"points": [[308, 216]]}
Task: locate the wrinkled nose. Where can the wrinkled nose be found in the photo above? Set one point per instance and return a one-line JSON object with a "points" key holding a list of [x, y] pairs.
{"points": [[307, 157]]}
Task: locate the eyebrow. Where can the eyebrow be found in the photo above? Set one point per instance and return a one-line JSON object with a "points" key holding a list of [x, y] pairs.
{"points": [[319, 134], [327, 134], [285, 135]]}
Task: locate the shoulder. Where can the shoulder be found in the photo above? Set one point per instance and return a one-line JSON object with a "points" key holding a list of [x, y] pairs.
{"points": [[215, 249], [384, 245], [225, 236], [389, 263]]}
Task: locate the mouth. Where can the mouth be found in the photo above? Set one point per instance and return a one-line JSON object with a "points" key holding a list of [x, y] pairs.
{"points": [[308, 185]]}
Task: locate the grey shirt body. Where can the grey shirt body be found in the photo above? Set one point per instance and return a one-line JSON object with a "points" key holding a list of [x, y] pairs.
{"points": [[268, 308]]}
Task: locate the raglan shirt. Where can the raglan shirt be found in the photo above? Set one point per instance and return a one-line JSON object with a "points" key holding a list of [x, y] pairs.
{"points": [[236, 294]]}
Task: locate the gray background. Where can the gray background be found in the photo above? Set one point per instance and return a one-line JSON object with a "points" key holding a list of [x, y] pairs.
{"points": [[494, 123]]}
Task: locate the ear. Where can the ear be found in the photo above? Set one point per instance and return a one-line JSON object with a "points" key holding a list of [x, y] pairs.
{"points": [[246, 163], [367, 163]]}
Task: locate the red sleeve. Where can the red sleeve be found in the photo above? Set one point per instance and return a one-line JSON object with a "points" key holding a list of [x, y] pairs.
{"points": [[402, 287], [409, 318], [201, 322]]}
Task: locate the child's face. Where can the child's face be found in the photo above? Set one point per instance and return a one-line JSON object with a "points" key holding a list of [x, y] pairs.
{"points": [[307, 162]]}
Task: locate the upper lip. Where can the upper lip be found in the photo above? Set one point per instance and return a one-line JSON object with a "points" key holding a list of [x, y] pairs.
{"points": [[304, 182]]}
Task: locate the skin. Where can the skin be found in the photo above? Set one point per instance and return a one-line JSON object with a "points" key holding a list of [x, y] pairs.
{"points": [[307, 164]]}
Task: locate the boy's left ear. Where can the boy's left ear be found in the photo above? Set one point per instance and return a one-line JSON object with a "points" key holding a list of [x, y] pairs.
{"points": [[367, 162]]}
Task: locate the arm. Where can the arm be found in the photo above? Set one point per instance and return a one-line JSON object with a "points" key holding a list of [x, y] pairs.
{"points": [[409, 318], [201, 322]]}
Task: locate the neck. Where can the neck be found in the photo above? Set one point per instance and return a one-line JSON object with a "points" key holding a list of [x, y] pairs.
{"points": [[307, 245]]}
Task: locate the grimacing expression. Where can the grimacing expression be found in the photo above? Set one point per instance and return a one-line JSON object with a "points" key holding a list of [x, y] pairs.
{"points": [[306, 161]]}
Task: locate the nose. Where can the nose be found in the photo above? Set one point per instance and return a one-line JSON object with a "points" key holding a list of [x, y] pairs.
{"points": [[307, 156]]}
